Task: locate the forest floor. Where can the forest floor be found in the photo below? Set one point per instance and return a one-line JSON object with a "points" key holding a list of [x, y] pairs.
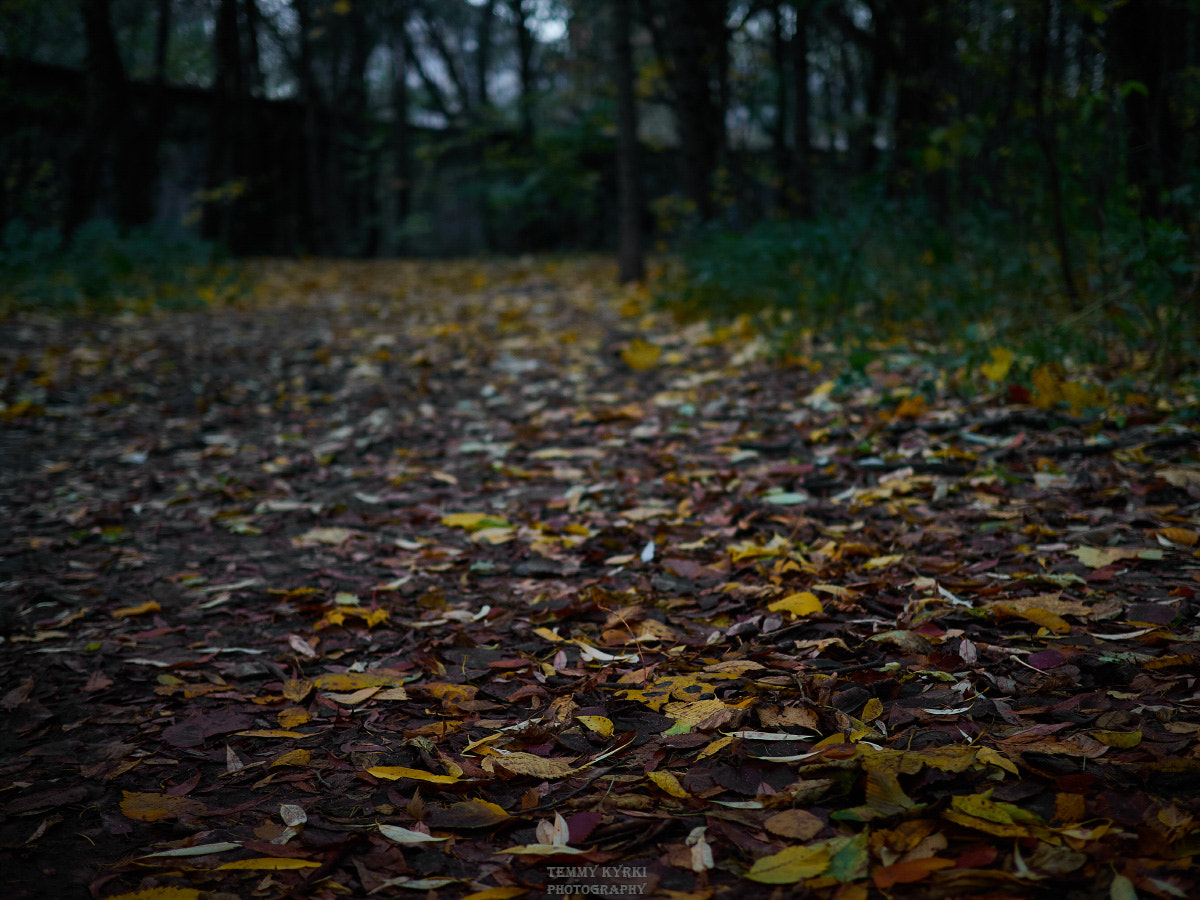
{"points": [[482, 580]]}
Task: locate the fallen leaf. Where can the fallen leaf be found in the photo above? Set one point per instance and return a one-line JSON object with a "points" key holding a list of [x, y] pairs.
{"points": [[394, 773], [790, 865], [143, 807], [270, 863], [125, 612], [640, 355], [406, 835], [908, 871]]}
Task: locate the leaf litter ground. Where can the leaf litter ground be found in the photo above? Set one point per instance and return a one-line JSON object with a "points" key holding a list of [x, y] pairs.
{"points": [[478, 580]]}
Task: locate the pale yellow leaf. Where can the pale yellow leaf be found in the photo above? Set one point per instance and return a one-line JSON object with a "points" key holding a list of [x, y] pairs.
{"points": [[804, 603], [790, 865], [669, 784], [641, 355], [150, 606], [271, 863], [997, 369], [394, 773]]}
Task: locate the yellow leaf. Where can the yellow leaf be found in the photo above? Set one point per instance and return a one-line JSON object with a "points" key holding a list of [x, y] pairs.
{"points": [[296, 689], [355, 699], [910, 407], [695, 712], [474, 521], [543, 850], [274, 733], [790, 865], [292, 716], [1048, 620], [880, 562], [997, 369], [993, 757], [1047, 387], [353, 681], [496, 893], [394, 773], [150, 606], [531, 764], [159, 893], [323, 536], [342, 7], [494, 536], [873, 710], [669, 784], [715, 747], [1099, 557], [293, 758], [641, 355], [600, 724], [1122, 740], [801, 604], [272, 863], [155, 807], [1183, 536]]}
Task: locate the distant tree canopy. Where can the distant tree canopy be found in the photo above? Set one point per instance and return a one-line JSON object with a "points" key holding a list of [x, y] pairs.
{"points": [[369, 127]]}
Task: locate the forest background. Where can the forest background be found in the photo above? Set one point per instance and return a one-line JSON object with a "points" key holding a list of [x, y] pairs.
{"points": [[1009, 174]]}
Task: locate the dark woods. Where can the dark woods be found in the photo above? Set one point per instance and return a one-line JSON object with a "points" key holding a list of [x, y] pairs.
{"points": [[368, 128]]}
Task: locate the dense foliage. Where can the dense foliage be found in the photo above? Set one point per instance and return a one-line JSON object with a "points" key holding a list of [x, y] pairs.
{"points": [[102, 270]]}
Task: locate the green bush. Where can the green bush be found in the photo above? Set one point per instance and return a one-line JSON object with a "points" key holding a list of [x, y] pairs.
{"points": [[103, 270], [879, 272]]}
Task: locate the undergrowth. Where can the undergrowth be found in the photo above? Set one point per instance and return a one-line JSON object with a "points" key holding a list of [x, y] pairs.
{"points": [[877, 275], [103, 270]]}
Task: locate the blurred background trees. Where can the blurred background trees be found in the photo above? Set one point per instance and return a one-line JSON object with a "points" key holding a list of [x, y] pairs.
{"points": [[764, 133]]}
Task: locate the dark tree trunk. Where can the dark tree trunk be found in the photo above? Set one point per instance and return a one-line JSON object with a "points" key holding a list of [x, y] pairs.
{"points": [[696, 39], [524, 70], [630, 252], [317, 218], [779, 54], [358, 163], [224, 133], [1046, 128], [137, 166], [105, 106], [801, 168], [255, 80], [401, 131], [483, 53]]}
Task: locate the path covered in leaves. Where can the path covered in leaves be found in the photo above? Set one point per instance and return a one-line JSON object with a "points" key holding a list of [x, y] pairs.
{"points": [[477, 580]]}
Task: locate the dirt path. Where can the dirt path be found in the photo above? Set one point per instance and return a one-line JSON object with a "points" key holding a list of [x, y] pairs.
{"points": [[475, 578]]}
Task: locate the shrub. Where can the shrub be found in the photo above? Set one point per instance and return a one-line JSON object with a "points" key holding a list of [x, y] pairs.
{"points": [[103, 270], [877, 272]]}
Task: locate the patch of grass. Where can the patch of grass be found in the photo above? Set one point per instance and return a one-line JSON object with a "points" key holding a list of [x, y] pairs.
{"points": [[102, 270]]}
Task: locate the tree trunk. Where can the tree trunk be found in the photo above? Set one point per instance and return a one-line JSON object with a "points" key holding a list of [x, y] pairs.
{"points": [[483, 53], [696, 40], [801, 169], [317, 219], [1046, 128], [525, 71], [401, 133], [255, 80], [630, 253], [779, 54], [228, 84], [105, 105]]}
